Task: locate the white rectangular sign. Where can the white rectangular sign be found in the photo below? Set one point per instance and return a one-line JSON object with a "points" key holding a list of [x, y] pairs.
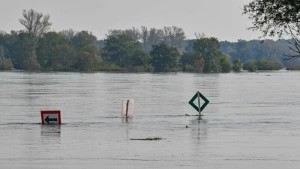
{"points": [[127, 108], [51, 117]]}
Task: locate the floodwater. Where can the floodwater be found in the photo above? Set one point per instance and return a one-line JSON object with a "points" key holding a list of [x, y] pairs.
{"points": [[252, 121]]}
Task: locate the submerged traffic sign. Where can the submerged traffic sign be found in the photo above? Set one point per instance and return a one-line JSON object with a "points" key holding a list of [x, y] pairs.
{"points": [[127, 108], [51, 117], [198, 95]]}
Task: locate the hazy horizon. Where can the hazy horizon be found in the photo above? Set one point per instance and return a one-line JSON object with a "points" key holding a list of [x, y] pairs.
{"points": [[220, 19]]}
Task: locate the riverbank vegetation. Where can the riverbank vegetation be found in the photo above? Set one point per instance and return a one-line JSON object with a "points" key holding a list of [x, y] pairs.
{"points": [[262, 64], [293, 67], [134, 50]]}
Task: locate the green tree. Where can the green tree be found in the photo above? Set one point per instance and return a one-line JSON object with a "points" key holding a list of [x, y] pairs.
{"points": [[5, 64], [164, 58], [55, 52], [83, 39], [276, 18], [225, 63], [293, 67], [88, 55], [237, 65], [216, 66], [243, 50], [2, 43], [20, 51], [123, 51], [188, 62], [208, 49], [16, 46], [86, 61], [250, 66], [264, 64]]}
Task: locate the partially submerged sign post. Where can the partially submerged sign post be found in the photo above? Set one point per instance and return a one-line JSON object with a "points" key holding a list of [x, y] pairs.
{"points": [[127, 108], [198, 108], [51, 117]]}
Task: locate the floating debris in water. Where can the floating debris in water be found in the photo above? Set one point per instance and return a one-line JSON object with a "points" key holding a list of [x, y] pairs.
{"points": [[147, 139]]}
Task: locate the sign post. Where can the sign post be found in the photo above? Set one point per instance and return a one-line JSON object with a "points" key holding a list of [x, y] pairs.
{"points": [[198, 93], [50, 117], [198, 109]]}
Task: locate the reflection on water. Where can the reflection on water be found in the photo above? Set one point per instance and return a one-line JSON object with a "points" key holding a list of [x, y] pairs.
{"points": [[199, 129], [127, 119], [251, 119], [50, 130]]}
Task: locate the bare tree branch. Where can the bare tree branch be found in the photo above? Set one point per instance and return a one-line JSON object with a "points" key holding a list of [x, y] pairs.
{"points": [[35, 23]]}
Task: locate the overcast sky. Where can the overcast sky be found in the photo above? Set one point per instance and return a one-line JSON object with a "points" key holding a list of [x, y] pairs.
{"points": [[222, 19]]}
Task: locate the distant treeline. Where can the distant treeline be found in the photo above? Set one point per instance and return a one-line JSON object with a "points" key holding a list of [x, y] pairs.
{"points": [[137, 50]]}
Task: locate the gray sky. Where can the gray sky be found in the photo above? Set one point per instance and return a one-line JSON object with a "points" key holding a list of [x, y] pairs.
{"points": [[222, 19]]}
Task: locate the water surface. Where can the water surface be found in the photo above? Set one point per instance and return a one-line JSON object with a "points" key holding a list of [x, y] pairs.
{"points": [[252, 120]]}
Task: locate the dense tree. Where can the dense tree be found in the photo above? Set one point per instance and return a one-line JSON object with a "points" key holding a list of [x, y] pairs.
{"points": [[164, 58], [172, 36], [225, 63], [88, 56], [5, 64], [264, 64], [55, 52], [293, 67], [189, 62], [250, 66], [269, 49], [276, 18], [129, 49], [208, 49], [199, 65], [2, 43], [243, 50], [2, 51], [237, 65], [205, 56], [189, 45], [7, 44], [86, 61], [20, 49], [216, 66], [84, 39], [123, 51], [239, 49]]}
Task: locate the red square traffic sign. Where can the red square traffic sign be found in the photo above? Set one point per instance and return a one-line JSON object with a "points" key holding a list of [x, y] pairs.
{"points": [[50, 117]]}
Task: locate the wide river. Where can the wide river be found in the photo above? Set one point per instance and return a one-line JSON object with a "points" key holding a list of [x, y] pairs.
{"points": [[252, 121]]}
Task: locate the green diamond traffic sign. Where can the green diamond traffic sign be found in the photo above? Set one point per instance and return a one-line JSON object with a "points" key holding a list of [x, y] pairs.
{"points": [[191, 102]]}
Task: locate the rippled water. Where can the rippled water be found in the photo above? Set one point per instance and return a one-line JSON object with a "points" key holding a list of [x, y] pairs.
{"points": [[253, 120]]}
